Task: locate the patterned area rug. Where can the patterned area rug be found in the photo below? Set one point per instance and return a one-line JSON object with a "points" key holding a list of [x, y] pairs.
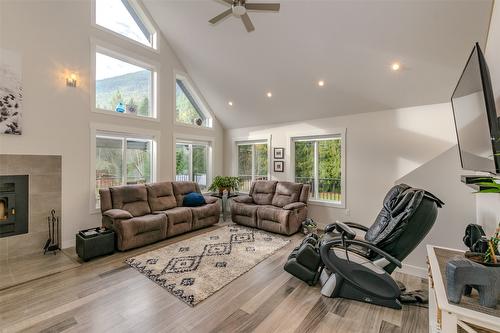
{"points": [[195, 268]]}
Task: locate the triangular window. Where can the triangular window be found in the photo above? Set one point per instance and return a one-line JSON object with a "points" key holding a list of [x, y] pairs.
{"points": [[125, 18], [188, 108]]}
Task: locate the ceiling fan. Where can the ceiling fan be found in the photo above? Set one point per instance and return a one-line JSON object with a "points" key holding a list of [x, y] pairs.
{"points": [[240, 8]]}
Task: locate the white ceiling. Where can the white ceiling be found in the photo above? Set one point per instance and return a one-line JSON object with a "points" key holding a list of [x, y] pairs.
{"points": [[349, 44]]}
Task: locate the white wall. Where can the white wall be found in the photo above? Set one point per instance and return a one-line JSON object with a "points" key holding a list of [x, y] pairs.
{"points": [[53, 37], [381, 147], [441, 177]]}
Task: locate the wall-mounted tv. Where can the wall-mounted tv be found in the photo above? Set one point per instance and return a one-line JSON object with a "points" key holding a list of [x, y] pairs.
{"points": [[476, 117]]}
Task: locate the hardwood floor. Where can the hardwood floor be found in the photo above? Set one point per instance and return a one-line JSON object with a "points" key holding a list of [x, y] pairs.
{"points": [[105, 295]]}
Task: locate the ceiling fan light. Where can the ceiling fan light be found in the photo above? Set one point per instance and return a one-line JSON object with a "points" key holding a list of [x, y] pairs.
{"points": [[239, 10]]}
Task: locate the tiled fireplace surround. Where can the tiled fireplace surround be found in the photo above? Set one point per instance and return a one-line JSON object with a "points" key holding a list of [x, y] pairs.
{"points": [[44, 195]]}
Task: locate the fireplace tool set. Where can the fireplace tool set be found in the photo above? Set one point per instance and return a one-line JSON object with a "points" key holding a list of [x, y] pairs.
{"points": [[52, 244]]}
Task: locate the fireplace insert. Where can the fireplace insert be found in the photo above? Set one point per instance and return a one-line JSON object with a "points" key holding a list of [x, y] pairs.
{"points": [[13, 205]]}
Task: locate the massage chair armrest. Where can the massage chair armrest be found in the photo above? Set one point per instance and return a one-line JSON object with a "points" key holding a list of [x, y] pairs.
{"points": [[332, 226], [377, 250], [244, 199], [116, 214], [294, 205], [358, 226], [326, 247]]}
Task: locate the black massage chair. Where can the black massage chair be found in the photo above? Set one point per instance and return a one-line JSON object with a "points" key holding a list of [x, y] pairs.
{"points": [[359, 269]]}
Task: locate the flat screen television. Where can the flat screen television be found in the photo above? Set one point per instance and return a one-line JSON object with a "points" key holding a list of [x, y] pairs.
{"points": [[476, 120]]}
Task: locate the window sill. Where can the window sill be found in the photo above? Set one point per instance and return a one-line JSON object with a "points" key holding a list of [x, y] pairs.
{"points": [[125, 115], [193, 126], [115, 34], [323, 203]]}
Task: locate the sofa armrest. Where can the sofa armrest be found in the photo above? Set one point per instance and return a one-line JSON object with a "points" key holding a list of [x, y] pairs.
{"points": [[210, 199], [243, 199], [117, 214], [294, 205]]}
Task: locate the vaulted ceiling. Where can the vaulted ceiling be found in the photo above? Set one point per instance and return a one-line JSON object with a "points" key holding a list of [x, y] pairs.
{"points": [[348, 44]]}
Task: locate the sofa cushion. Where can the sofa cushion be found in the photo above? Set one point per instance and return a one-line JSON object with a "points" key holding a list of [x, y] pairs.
{"points": [[161, 196], [304, 194], [132, 198], [294, 205], [205, 215], [210, 200], [243, 199], [178, 215], [105, 196], [193, 199], [272, 213], [183, 188], [139, 231], [262, 191], [243, 213], [117, 214], [286, 193]]}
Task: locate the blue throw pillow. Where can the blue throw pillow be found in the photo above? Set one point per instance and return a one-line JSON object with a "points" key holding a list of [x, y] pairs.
{"points": [[193, 199]]}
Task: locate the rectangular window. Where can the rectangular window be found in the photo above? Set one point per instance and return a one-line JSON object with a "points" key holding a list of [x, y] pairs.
{"points": [[125, 18], [192, 162], [123, 87], [253, 163], [188, 109], [121, 160], [318, 162]]}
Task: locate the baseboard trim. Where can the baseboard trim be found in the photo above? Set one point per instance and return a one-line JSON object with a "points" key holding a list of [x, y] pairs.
{"points": [[413, 270]]}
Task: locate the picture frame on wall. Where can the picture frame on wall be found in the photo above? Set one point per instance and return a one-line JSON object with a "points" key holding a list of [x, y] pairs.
{"points": [[279, 166], [279, 153]]}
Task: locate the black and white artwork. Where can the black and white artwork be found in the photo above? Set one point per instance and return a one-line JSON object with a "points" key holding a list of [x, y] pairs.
{"points": [[279, 166], [11, 92], [279, 153]]}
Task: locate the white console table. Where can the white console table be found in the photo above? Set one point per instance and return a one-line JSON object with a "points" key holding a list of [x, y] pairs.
{"points": [[445, 317]]}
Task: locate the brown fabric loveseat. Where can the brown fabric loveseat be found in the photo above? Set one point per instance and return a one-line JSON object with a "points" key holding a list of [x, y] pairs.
{"points": [[274, 206], [144, 214]]}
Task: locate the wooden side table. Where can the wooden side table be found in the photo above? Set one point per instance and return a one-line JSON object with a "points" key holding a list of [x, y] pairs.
{"points": [[224, 199], [445, 317]]}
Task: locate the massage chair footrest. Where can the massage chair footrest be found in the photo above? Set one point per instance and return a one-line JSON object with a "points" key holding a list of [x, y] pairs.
{"points": [[304, 262]]}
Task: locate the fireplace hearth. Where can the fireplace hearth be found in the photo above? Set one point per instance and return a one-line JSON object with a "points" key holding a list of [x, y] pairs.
{"points": [[13, 205]]}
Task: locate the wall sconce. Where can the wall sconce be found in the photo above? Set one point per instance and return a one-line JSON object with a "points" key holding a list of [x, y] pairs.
{"points": [[71, 80]]}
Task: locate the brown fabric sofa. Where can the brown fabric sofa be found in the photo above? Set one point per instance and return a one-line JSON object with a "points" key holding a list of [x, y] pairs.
{"points": [[144, 214], [274, 206]]}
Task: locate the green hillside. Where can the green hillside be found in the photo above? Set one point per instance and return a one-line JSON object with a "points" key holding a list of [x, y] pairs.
{"points": [[130, 89]]}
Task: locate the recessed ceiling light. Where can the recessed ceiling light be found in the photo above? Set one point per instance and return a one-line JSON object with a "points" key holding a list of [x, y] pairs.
{"points": [[321, 83], [230, 103], [396, 66], [269, 94]]}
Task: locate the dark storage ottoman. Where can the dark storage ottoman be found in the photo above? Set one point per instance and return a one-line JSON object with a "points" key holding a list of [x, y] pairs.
{"points": [[102, 243]]}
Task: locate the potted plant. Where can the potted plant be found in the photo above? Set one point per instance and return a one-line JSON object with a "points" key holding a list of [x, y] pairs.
{"points": [[224, 183]]}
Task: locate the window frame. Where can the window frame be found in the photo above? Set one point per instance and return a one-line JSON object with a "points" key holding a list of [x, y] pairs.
{"points": [[251, 141], [202, 105], [142, 15], [133, 59], [98, 129], [194, 139], [336, 133]]}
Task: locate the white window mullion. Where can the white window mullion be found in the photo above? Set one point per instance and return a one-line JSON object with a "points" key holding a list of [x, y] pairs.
{"points": [[253, 163], [124, 161], [190, 163], [316, 171]]}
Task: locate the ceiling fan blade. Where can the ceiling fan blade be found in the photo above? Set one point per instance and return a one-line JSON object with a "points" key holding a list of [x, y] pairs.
{"points": [[275, 7], [230, 2], [247, 22], [221, 16]]}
